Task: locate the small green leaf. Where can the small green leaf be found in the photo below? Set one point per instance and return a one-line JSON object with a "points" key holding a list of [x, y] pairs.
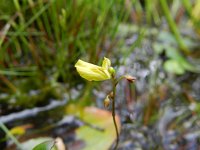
{"points": [[173, 66], [41, 143], [159, 48], [47, 145]]}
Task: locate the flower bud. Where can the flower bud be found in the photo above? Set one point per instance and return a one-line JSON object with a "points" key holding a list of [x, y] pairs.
{"points": [[130, 78], [106, 102], [111, 70], [111, 95]]}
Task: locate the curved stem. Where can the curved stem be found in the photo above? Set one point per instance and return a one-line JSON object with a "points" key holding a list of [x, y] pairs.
{"points": [[115, 82], [172, 25], [113, 114]]}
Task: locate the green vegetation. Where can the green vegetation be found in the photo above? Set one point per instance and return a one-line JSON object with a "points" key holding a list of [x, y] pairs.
{"points": [[41, 40]]}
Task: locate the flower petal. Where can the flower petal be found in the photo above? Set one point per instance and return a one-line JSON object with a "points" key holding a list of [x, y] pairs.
{"points": [[106, 63], [81, 63], [89, 75], [92, 72]]}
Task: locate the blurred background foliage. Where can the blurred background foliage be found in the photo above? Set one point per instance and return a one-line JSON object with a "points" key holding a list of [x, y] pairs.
{"points": [[41, 40]]}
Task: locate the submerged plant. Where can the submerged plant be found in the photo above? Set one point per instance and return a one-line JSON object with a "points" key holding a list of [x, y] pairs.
{"points": [[93, 72]]}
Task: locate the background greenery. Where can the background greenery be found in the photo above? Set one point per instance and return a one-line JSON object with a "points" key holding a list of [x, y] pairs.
{"points": [[41, 40]]}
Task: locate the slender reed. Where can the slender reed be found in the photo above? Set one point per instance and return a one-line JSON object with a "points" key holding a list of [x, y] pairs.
{"points": [[5, 129]]}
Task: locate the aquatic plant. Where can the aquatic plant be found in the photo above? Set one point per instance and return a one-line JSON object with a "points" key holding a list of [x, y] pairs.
{"points": [[93, 72]]}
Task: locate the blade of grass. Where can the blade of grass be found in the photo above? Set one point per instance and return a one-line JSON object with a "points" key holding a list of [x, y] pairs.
{"points": [[173, 26], [3, 33], [8, 83], [9, 134], [22, 28], [148, 10]]}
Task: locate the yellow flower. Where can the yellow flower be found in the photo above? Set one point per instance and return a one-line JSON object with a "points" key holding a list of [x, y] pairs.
{"points": [[93, 72]]}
